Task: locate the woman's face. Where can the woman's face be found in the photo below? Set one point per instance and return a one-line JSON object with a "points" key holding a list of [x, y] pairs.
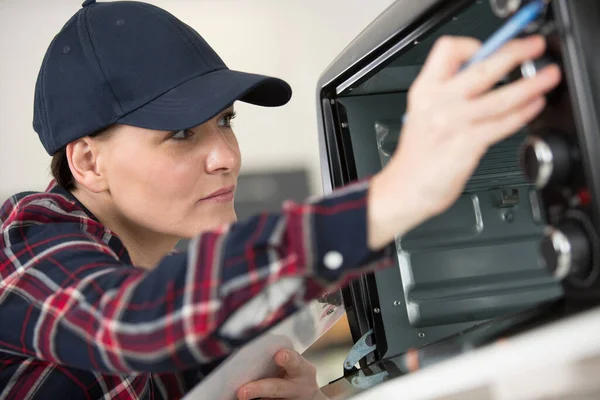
{"points": [[175, 183]]}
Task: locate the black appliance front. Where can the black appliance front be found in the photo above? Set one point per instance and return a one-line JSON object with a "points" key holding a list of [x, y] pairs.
{"points": [[524, 231]]}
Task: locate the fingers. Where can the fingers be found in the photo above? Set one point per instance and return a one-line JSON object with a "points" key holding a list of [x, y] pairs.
{"points": [[482, 76], [506, 125], [515, 95], [294, 364], [447, 56], [271, 388], [300, 377]]}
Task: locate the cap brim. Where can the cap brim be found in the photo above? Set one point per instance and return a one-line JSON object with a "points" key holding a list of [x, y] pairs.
{"points": [[200, 99]]}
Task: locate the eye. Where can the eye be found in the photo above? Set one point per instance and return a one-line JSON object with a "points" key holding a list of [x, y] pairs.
{"points": [[226, 120], [182, 134]]}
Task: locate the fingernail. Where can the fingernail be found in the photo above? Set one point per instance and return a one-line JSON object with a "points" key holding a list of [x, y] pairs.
{"points": [[285, 357], [245, 394], [553, 71], [537, 37], [537, 40]]}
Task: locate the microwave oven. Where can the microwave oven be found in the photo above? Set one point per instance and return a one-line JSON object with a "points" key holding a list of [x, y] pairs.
{"points": [[520, 248]]}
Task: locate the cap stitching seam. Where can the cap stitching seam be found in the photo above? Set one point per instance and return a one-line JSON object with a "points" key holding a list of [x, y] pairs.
{"points": [[189, 32], [178, 31], [99, 60]]}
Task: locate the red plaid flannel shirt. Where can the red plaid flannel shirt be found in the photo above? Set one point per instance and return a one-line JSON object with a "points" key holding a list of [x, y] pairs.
{"points": [[78, 321]]}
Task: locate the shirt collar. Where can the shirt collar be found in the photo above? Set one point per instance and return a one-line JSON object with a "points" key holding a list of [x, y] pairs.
{"points": [[55, 188]]}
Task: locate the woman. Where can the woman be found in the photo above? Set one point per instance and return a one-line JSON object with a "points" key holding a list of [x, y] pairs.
{"points": [[136, 109]]}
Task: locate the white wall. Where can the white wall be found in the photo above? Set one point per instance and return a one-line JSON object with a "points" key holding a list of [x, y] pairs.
{"points": [[292, 39]]}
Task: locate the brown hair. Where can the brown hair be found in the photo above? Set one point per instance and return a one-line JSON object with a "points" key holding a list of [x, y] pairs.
{"points": [[61, 171], [60, 166]]}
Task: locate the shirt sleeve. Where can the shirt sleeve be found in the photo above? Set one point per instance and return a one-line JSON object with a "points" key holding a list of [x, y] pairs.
{"points": [[66, 298]]}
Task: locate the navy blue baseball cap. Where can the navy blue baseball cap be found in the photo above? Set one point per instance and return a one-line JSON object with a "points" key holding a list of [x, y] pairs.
{"points": [[133, 63]]}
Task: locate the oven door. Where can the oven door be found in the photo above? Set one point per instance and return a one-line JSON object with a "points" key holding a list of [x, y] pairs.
{"points": [[476, 262]]}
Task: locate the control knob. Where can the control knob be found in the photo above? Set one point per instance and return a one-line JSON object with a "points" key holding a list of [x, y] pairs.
{"points": [[546, 160], [531, 68], [505, 8], [566, 250]]}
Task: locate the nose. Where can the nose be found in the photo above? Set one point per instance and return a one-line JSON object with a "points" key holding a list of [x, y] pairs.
{"points": [[223, 155]]}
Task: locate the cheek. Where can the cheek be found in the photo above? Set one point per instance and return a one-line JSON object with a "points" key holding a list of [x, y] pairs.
{"points": [[153, 186], [159, 190]]}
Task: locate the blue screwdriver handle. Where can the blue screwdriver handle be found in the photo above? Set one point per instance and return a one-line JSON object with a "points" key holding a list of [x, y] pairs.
{"points": [[507, 32]]}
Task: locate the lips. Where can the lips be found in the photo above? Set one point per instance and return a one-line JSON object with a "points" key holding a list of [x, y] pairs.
{"points": [[220, 196]]}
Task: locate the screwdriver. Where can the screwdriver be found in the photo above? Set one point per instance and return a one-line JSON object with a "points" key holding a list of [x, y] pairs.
{"points": [[513, 27]]}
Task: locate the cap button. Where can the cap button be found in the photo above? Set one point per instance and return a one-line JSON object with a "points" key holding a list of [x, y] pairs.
{"points": [[88, 3], [333, 260]]}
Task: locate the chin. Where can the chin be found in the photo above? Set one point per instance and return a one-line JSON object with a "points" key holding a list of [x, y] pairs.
{"points": [[209, 223], [226, 218]]}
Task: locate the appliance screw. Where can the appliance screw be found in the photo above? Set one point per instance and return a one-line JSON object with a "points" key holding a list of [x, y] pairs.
{"points": [[421, 335], [376, 310], [397, 303]]}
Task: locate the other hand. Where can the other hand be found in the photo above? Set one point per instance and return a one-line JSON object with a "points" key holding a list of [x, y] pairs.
{"points": [[298, 381]]}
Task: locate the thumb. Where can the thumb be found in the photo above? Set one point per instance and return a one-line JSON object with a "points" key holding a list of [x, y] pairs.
{"points": [[294, 364]]}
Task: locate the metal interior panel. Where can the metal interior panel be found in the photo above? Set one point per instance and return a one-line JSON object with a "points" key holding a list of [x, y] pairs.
{"points": [[476, 261]]}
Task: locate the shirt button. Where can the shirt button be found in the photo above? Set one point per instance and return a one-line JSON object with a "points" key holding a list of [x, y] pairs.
{"points": [[333, 260]]}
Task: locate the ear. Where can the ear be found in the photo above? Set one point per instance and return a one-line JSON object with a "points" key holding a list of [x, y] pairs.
{"points": [[83, 156]]}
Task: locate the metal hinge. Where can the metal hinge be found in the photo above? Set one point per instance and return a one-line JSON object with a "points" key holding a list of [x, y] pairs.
{"points": [[360, 349], [363, 381]]}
